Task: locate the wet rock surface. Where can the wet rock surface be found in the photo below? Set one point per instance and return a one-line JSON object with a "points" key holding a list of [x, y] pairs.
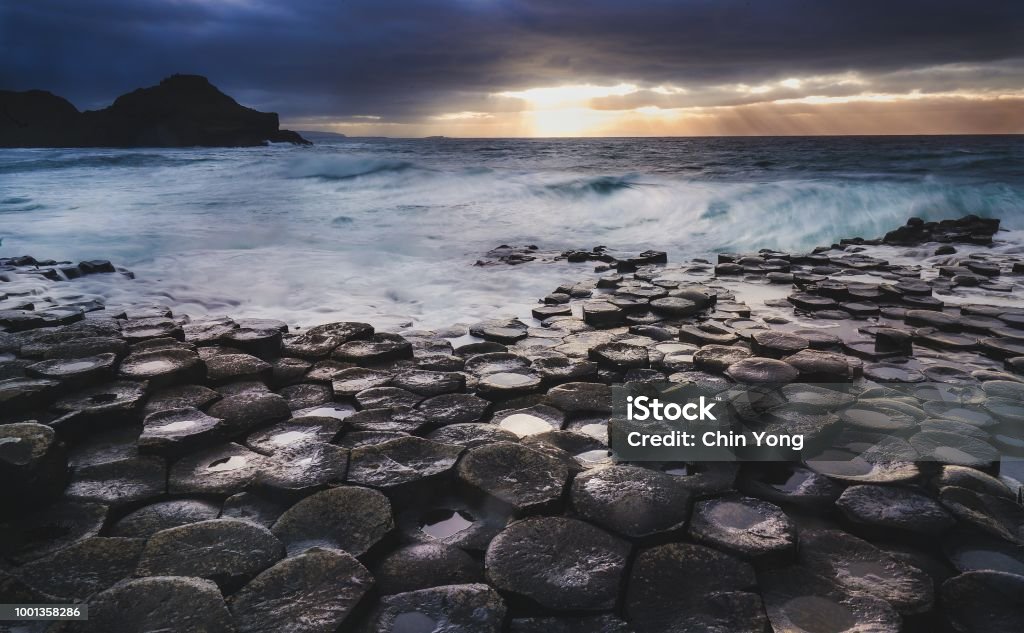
{"points": [[351, 519], [559, 563], [745, 526], [226, 551], [895, 508], [314, 591], [522, 477], [148, 520], [158, 604], [426, 565], [635, 502], [85, 568], [469, 469], [682, 587], [456, 608], [860, 567]]}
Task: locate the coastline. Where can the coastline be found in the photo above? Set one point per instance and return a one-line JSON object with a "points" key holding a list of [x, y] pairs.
{"points": [[463, 474]]}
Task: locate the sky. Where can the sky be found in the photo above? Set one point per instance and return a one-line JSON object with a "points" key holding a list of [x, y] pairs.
{"points": [[546, 67]]}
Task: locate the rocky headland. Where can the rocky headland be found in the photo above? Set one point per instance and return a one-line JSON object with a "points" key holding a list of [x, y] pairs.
{"points": [[181, 111], [228, 474]]}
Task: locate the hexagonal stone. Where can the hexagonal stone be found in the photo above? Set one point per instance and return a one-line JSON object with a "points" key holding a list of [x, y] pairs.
{"points": [[226, 551], [707, 334], [386, 397], [163, 367], [425, 565], [452, 408], [675, 306], [74, 371], [894, 508], [181, 397], [208, 331], [150, 519], [967, 551], [17, 394], [32, 456], [120, 482], [224, 368], [430, 383], [777, 344], [559, 563], [718, 358], [819, 366], [456, 608], [378, 348], [221, 470], [790, 484], [860, 567], [313, 592], [999, 516], [145, 605], [263, 342], [348, 518], [175, 431], [981, 601], [500, 331], [249, 410], [521, 477], [86, 567], [798, 600], [119, 398], [306, 394], [762, 371], [745, 526], [318, 341], [620, 356], [506, 385], [30, 536], [297, 470], [635, 502], [470, 435], [954, 448], [135, 330], [679, 588], [496, 362], [400, 461], [972, 479], [579, 397], [529, 421], [349, 382], [556, 370], [293, 433], [252, 507], [602, 314], [79, 345]]}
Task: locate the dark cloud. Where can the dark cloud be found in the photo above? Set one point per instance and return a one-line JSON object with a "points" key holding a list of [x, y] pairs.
{"points": [[408, 59]]}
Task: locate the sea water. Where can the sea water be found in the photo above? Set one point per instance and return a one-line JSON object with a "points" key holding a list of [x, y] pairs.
{"points": [[388, 230]]}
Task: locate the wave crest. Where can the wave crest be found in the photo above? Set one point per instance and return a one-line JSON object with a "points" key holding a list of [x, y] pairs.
{"points": [[347, 167]]}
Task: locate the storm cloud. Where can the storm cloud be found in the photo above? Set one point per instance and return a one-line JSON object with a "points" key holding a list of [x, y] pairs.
{"points": [[408, 61]]}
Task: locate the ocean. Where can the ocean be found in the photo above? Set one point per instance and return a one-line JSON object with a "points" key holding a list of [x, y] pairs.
{"points": [[388, 230]]}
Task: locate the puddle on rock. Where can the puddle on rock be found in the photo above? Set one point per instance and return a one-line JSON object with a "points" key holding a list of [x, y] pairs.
{"points": [[227, 463], [442, 522], [814, 614], [735, 515], [523, 424], [413, 622]]}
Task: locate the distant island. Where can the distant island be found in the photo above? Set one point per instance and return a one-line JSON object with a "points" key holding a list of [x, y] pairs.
{"points": [[181, 111]]}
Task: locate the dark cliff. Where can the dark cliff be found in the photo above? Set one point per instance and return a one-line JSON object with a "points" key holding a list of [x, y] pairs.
{"points": [[182, 111]]}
